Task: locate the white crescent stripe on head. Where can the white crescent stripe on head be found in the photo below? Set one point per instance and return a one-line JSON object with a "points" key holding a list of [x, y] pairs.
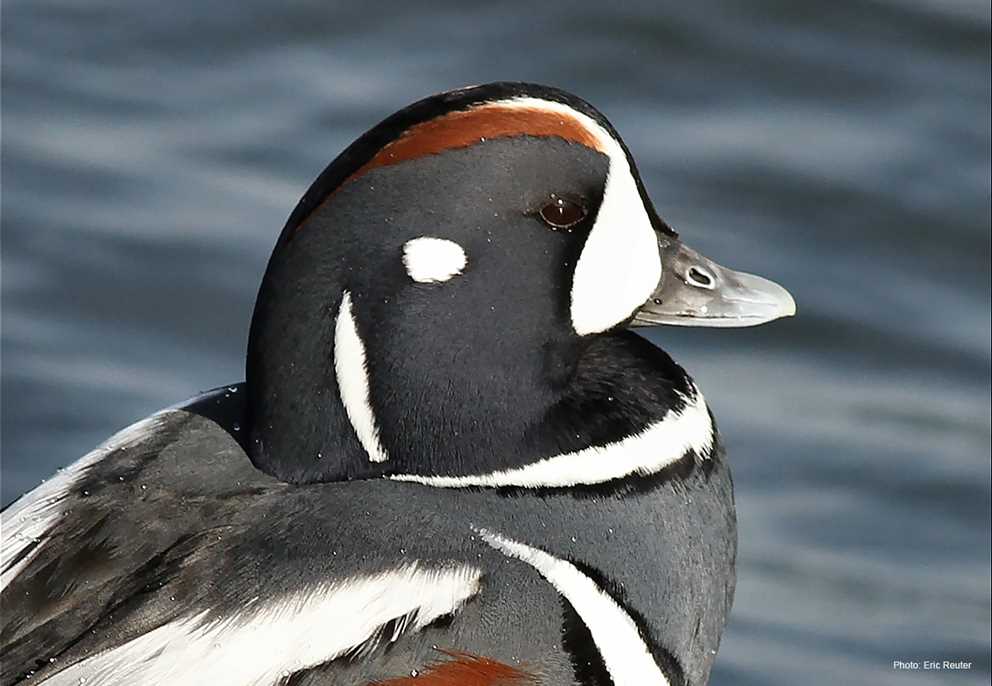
{"points": [[263, 646], [433, 260], [618, 640], [353, 381], [661, 444], [620, 264], [28, 519]]}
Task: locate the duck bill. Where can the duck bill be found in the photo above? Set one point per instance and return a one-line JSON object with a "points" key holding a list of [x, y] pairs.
{"points": [[696, 291]]}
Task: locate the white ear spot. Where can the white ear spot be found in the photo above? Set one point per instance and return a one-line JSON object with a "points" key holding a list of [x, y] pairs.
{"points": [[433, 260]]}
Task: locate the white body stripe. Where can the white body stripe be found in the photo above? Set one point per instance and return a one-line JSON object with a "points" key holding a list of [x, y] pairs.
{"points": [[648, 452], [620, 264], [264, 646], [625, 654], [29, 517], [433, 260], [353, 381]]}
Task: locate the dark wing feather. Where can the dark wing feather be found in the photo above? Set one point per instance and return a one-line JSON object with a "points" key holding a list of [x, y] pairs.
{"points": [[113, 530]]}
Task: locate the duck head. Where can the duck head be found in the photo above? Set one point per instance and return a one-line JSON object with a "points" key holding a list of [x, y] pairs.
{"points": [[450, 302]]}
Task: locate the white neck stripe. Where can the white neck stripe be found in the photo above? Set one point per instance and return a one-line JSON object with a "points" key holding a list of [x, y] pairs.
{"points": [[658, 446], [627, 657], [353, 381]]}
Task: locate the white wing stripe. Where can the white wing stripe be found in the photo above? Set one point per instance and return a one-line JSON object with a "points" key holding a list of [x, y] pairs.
{"points": [[261, 647]]}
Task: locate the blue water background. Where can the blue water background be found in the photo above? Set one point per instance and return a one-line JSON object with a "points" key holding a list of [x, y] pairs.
{"points": [[152, 151]]}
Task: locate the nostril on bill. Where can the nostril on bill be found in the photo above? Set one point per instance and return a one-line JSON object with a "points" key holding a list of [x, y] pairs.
{"points": [[697, 276]]}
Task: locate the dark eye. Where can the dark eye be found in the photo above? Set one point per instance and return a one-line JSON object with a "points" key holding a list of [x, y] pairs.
{"points": [[562, 213]]}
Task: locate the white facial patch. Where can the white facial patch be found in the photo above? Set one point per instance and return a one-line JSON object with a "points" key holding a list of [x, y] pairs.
{"points": [[353, 381], [433, 260], [645, 453], [261, 647], [620, 264], [625, 654]]}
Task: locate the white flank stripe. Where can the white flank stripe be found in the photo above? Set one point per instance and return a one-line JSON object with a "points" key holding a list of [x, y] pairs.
{"points": [[264, 646], [433, 260], [29, 518], [625, 654], [645, 453], [353, 381], [620, 264]]}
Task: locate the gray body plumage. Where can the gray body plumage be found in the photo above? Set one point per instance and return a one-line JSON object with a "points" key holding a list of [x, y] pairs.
{"points": [[190, 525]]}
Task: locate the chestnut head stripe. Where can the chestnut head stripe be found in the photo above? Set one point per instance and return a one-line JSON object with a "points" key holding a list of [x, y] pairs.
{"points": [[481, 123]]}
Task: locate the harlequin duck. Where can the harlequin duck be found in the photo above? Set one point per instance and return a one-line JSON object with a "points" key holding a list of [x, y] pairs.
{"points": [[451, 461]]}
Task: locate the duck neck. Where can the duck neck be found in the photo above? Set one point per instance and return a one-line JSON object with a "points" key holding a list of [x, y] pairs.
{"points": [[473, 410]]}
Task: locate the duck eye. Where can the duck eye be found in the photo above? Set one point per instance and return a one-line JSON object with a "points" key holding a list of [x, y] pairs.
{"points": [[562, 213]]}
